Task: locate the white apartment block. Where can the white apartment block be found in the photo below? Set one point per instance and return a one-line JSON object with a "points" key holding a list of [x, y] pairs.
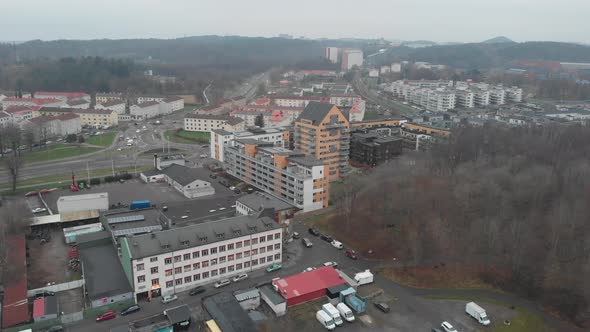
{"points": [[293, 101], [498, 96], [102, 98], [331, 53], [481, 97], [440, 101], [206, 122], [221, 139], [145, 99], [42, 102], [116, 105], [464, 98], [178, 259], [351, 58], [514, 94], [396, 67], [64, 96]]}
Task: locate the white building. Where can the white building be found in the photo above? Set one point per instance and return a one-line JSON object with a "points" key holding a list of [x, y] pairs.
{"points": [[102, 98], [178, 259], [273, 116], [497, 96], [42, 102], [331, 53], [481, 97], [351, 58], [145, 99], [207, 122], [175, 103], [63, 96], [183, 181], [396, 67], [145, 110], [440, 101], [464, 98], [220, 139], [116, 105], [514, 94]]}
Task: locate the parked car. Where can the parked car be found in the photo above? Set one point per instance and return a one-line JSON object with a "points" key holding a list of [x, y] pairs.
{"points": [[274, 267], [130, 310], [306, 242], [38, 210], [197, 291], [55, 328], [222, 283], [109, 314], [314, 232], [351, 254], [44, 293], [326, 238], [332, 264], [448, 327], [240, 277], [169, 298], [296, 235], [382, 306], [337, 244]]}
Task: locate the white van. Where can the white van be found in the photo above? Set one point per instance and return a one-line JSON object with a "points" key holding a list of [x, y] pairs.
{"points": [[325, 320], [363, 278], [345, 312], [477, 312], [333, 312]]}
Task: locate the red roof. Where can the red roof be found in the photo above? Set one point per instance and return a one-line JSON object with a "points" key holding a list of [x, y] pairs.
{"points": [[38, 101], [63, 94], [39, 307], [308, 282], [15, 309], [297, 97], [262, 101]]}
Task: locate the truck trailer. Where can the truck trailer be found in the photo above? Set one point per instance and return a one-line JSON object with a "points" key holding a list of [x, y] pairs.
{"points": [[87, 202], [363, 278], [478, 313]]}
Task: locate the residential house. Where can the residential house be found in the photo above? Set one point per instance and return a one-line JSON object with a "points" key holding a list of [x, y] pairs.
{"points": [[117, 105]]}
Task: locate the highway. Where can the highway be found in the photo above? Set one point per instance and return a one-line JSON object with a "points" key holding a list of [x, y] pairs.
{"points": [[248, 89]]}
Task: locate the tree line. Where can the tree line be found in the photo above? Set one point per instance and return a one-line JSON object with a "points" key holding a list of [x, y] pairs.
{"points": [[507, 199]]}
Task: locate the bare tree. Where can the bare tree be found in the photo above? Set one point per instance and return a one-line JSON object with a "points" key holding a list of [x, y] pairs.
{"points": [[29, 136], [15, 221]]}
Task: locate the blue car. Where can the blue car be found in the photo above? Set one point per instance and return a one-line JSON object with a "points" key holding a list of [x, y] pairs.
{"points": [[130, 310]]}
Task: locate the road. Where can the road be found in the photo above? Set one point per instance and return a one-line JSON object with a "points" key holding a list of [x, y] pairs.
{"points": [[361, 88], [249, 87]]}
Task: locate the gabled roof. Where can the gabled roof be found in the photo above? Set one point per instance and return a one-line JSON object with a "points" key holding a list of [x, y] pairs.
{"points": [[77, 102], [113, 102], [148, 104], [180, 174], [316, 112], [37, 101]]}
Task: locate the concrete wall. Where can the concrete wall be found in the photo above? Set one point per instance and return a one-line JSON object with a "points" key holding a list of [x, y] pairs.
{"points": [[58, 288], [112, 299], [73, 317]]}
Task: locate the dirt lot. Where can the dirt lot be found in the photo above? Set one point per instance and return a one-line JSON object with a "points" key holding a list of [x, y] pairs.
{"points": [[48, 262], [70, 301]]}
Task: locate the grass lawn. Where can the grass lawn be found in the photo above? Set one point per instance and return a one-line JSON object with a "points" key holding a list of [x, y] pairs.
{"points": [[524, 321], [186, 137], [58, 151], [439, 277], [104, 140]]}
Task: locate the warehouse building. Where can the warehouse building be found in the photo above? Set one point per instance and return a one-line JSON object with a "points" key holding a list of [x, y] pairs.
{"points": [[307, 286]]}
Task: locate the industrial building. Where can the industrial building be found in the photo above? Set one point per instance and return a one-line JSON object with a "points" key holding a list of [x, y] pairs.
{"points": [[307, 286], [259, 201]]}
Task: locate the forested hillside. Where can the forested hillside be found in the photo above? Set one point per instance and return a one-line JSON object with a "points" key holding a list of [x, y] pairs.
{"points": [[506, 199]]}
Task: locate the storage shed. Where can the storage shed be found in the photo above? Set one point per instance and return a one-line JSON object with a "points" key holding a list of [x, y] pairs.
{"points": [[307, 286], [276, 302]]}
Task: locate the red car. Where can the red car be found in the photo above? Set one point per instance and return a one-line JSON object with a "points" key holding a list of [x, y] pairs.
{"points": [[351, 253], [109, 314]]}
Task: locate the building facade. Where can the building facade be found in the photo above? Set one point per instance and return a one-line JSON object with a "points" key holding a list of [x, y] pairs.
{"points": [[207, 122], [220, 139], [331, 53], [374, 147], [351, 58], [322, 131], [116, 105]]}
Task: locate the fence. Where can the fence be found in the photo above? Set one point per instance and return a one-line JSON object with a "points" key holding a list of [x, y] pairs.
{"points": [[58, 288]]}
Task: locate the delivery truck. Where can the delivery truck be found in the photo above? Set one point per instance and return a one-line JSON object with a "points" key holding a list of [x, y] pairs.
{"points": [[325, 319], [477, 312], [333, 312], [345, 312], [363, 278]]}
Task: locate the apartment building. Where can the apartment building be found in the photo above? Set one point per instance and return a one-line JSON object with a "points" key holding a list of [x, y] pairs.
{"points": [[378, 123], [464, 98], [207, 122], [294, 101], [41, 102], [291, 176], [175, 260], [117, 105], [514, 94], [322, 131], [374, 147], [145, 110], [220, 139], [102, 98], [176, 103], [273, 116], [331, 53], [60, 125], [440, 101], [481, 97], [351, 58], [21, 113], [63, 96], [498, 96], [89, 117]]}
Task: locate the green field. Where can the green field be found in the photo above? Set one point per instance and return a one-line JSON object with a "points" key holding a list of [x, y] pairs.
{"points": [[104, 140], [58, 151], [186, 137], [524, 321]]}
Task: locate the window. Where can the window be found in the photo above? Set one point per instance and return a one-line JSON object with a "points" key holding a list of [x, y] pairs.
{"points": [[168, 272], [188, 279], [262, 260], [277, 236], [195, 254], [204, 252], [177, 270], [239, 266], [205, 263], [187, 257], [214, 273], [222, 270], [277, 257], [169, 284], [239, 255], [155, 281], [213, 251], [196, 266], [262, 250], [187, 268], [238, 245], [221, 248], [154, 270], [268, 248], [262, 239], [213, 262], [154, 259], [141, 279], [247, 253], [254, 262], [246, 243], [178, 281], [230, 257], [254, 252], [139, 267], [197, 277], [177, 259], [254, 241], [205, 275], [277, 246], [230, 246]]}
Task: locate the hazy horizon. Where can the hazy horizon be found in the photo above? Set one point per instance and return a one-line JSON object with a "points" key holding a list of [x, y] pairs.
{"points": [[451, 20]]}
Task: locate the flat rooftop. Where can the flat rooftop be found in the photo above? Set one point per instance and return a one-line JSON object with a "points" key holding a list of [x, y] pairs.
{"points": [[260, 200], [126, 222], [103, 272], [308, 282], [228, 314]]}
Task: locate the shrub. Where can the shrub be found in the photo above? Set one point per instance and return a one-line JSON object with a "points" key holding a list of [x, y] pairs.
{"points": [[95, 181], [109, 178]]}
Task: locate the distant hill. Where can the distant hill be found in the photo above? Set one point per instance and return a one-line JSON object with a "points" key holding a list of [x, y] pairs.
{"points": [[498, 40], [480, 55]]}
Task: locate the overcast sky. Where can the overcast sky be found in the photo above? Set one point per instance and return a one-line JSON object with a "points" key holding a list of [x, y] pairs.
{"points": [[438, 20]]}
